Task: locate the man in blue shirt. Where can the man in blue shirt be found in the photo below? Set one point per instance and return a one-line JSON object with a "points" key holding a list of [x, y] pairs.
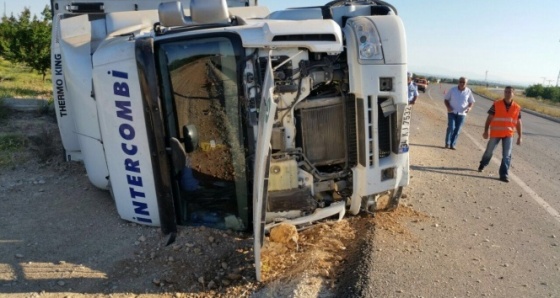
{"points": [[459, 101], [412, 90]]}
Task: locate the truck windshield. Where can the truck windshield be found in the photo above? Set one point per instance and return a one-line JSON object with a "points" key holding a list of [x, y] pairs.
{"points": [[199, 90]]}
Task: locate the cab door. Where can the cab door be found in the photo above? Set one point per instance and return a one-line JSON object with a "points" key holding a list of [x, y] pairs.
{"points": [[200, 94], [267, 110]]}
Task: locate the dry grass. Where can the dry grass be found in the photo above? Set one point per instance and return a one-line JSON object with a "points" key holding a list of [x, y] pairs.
{"points": [[19, 81], [11, 146], [538, 105], [25, 136]]}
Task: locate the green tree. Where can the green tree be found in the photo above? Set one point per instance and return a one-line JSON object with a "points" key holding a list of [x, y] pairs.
{"points": [[551, 93], [7, 30], [27, 39], [535, 91]]}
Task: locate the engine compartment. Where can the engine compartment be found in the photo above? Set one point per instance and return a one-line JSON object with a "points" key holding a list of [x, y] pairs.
{"points": [[312, 149]]}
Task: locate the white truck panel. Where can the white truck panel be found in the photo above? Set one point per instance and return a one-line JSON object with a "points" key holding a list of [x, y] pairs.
{"points": [[75, 37], [63, 103], [393, 37], [365, 83], [297, 14], [249, 12], [130, 21], [262, 35], [266, 120], [124, 131], [63, 6]]}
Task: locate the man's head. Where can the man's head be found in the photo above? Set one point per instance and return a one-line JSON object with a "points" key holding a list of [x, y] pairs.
{"points": [[409, 76], [509, 93], [462, 83]]}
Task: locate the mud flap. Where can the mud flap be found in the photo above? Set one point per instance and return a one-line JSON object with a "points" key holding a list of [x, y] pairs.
{"points": [[267, 110], [395, 198]]}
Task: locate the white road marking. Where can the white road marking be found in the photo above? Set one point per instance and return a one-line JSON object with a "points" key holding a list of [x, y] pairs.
{"points": [[533, 194], [520, 182]]}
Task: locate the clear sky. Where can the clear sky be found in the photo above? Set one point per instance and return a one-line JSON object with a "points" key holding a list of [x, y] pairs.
{"points": [[506, 41]]}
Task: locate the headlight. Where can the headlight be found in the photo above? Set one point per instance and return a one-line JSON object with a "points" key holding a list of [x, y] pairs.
{"points": [[369, 43]]}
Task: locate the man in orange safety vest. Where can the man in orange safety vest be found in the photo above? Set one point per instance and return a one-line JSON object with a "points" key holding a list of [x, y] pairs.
{"points": [[504, 118]]}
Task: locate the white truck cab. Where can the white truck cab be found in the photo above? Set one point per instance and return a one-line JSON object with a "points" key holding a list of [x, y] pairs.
{"points": [[221, 113]]}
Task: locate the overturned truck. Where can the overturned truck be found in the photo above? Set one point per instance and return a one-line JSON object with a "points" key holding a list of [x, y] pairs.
{"points": [[220, 113]]}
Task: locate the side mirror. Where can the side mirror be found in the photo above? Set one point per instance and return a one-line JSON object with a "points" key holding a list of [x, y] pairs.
{"points": [[190, 137], [178, 155]]}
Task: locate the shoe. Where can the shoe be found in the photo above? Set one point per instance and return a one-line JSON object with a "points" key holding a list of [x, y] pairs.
{"points": [[446, 146], [452, 148], [504, 179], [480, 168]]}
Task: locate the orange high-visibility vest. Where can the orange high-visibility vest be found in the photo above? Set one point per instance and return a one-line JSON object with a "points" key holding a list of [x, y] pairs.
{"points": [[504, 122]]}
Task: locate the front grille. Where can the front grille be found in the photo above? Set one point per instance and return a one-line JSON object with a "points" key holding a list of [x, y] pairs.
{"points": [[384, 130], [351, 137], [362, 131]]}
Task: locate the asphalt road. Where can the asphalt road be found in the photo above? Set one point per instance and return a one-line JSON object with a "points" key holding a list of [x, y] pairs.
{"points": [[536, 163], [481, 237]]}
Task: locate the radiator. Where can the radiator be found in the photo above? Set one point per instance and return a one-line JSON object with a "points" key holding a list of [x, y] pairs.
{"points": [[323, 133]]}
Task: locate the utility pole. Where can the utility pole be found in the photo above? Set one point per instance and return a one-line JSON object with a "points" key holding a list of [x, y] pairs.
{"points": [[558, 78], [549, 81], [543, 79], [486, 79]]}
